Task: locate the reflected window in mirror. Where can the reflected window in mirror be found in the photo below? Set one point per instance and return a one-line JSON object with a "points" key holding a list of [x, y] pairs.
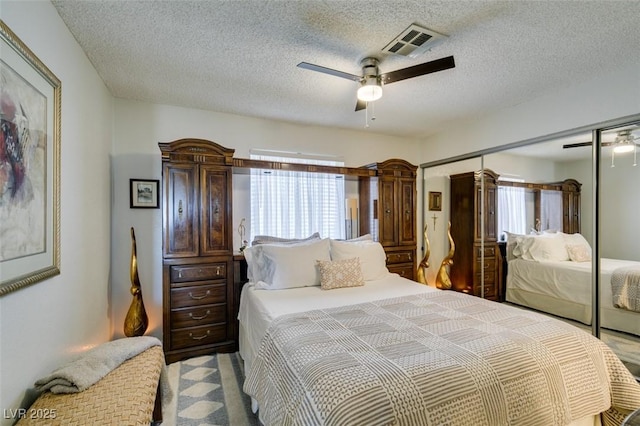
{"points": [[551, 211], [512, 210]]}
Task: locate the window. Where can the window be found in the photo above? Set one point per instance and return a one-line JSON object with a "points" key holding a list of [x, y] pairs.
{"points": [[297, 204]]}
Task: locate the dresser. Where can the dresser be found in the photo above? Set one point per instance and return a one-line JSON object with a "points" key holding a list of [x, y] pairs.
{"points": [[387, 206], [472, 259], [199, 296]]}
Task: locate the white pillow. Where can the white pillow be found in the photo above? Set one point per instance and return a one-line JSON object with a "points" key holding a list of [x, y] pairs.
{"points": [[255, 262], [373, 259], [512, 243], [575, 239], [579, 253], [578, 243], [268, 239], [289, 266], [547, 248]]}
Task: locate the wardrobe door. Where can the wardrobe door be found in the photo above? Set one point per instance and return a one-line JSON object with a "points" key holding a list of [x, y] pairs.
{"points": [[215, 210], [181, 206], [491, 220], [407, 207], [388, 214]]}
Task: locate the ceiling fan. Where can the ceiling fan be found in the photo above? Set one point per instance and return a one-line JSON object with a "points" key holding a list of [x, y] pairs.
{"points": [[371, 80], [625, 141]]}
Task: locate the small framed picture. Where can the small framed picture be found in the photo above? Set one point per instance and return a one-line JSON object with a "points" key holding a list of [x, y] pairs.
{"points": [[435, 201], [144, 194]]}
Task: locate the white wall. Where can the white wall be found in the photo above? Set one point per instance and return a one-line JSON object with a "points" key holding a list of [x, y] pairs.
{"points": [[138, 129], [620, 209], [604, 98], [520, 167], [46, 324]]}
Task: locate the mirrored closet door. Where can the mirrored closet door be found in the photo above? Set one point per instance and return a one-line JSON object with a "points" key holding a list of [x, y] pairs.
{"points": [[540, 197], [619, 242]]}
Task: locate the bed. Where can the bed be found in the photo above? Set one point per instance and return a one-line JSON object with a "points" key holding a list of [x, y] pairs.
{"points": [[386, 350], [553, 282]]}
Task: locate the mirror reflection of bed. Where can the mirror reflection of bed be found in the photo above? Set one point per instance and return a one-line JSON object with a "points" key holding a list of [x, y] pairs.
{"points": [[559, 285], [544, 162]]}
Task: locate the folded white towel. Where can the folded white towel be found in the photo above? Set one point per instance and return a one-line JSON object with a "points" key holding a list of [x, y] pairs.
{"points": [[94, 364]]}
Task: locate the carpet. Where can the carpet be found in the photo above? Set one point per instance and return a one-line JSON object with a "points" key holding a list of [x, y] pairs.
{"points": [[208, 392]]}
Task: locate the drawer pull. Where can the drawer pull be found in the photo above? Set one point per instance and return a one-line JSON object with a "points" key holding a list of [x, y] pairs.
{"points": [[199, 337], [199, 297], [201, 317], [218, 270]]}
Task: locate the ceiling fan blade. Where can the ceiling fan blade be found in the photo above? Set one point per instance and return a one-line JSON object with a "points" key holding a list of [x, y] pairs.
{"points": [[576, 145], [360, 105], [579, 144], [418, 70], [329, 71]]}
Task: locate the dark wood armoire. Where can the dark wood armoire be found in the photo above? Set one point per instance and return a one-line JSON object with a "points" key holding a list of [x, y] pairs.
{"points": [[388, 212], [469, 228], [197, 249]]}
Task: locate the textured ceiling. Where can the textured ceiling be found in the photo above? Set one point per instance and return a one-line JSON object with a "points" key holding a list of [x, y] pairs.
{"points": [[240, 57]]}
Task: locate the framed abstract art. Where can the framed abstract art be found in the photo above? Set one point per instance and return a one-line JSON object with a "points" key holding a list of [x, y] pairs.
{"points": [[30, 102]]}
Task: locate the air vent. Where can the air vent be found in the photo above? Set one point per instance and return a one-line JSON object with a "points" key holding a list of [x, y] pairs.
{"points": [[414, 41]]}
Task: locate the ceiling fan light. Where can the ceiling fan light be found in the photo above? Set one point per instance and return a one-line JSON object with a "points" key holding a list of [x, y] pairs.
{"points": [[624, 147], [370, 91]]}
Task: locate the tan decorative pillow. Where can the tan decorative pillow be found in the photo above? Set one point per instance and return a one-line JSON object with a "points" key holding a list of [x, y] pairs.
{"points": [[340, 273], [579, 253]]}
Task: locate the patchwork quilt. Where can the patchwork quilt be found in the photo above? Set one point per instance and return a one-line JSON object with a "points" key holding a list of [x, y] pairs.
{"points": [[438, 358], [625, 288]]}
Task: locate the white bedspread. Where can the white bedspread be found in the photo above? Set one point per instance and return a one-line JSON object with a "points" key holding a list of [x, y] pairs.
{"points": [[258, 308], [427, 357], [565, 289]]}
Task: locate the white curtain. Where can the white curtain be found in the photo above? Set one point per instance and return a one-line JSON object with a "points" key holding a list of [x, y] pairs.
{"points": [[512, 210], [551, 210], [297, 204]]}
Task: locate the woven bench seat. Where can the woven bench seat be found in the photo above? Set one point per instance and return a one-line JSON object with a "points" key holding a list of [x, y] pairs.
{"points": [[125, 396]]}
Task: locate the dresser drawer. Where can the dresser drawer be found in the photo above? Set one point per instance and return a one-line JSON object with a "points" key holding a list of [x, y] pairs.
{"points": [[489, 278], [197, 316], [489, 264], [198, 336], [489, 251], [399, 257], [489, 290], [405, 271], [211, 271], [198, 295]]}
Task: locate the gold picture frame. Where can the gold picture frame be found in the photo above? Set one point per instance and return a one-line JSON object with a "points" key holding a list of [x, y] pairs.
{"points": [[435, 201], [29, 166]]}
